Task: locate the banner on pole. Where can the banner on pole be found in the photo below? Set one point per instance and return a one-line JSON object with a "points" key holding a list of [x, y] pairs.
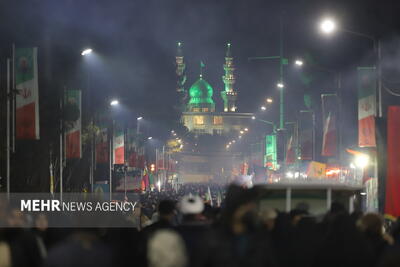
{"points": [[366, 107], [270, 157], [330, 105], [119, 144], [27, 99], [306, 135], [102, 152], [73, 136], [392, 200]]}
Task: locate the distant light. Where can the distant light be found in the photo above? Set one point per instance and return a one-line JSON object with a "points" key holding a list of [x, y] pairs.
{"points": [[139, 118], [240, 136], [289, 175], [179, 43], [149, 137], [86, 52], [246, 129], [233, 141], [174, 134], [230, 143], [269, 100], [352, 165], [362, 161], [253, 117], [114, 102], [328, 26], [299, 158], [172, 131], [263, 108], [363, 193], [298, 62], [280, 85]]}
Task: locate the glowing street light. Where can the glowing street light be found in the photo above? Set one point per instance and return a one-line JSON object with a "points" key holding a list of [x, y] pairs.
{"points": [[246, 129], [140, 118], [240, 136], [269, 100], [299, 62], [328, 26], [362, 161], [263, 108], [114, 102], [242, 132], [149, 138], [280, 85], [253, 117], [86, 51]]}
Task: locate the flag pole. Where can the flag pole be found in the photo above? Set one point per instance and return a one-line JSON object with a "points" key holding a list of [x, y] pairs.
{"points": [[13, 99], [8, 128], [61, 163]]}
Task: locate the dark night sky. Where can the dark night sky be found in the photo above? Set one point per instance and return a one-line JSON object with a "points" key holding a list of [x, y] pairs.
{"points": [[135, 46]]}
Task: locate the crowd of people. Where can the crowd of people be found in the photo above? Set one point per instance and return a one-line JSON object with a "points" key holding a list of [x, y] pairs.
{"points": [[191, 226]]}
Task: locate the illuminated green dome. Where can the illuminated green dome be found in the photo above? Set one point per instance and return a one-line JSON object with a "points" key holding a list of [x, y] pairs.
{"points": [[201, 92]]}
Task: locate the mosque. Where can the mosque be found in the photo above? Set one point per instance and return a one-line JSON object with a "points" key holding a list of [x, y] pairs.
{"points": [[199, 112]]}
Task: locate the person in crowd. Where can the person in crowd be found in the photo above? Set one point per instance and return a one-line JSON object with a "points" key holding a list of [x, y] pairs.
{"points": [[343, 244], [371, 225], [192, 228], [166, 215], [166, 248]]}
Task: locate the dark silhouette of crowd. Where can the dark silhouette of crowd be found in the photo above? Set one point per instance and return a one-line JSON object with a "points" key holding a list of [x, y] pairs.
{"points": [[190, 227]]}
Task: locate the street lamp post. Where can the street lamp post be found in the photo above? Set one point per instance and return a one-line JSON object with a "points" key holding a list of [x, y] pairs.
{"points": [[86, 52], [113, 103], [138, 125]]}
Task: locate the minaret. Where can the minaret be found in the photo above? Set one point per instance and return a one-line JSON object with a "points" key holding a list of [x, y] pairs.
{"points": [[181, 77], [229, 95]]}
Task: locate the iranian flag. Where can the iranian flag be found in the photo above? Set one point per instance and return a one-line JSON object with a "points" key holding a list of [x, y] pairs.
{"points": [[73, 130], [27, 99], [118, 146], [102, 144], [366, 107]]}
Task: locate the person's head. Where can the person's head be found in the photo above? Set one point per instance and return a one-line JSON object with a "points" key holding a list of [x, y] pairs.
{"points": [[296, 215], [240, 212], [166, 209], [371, 223], [268, 216], [191, 207]]}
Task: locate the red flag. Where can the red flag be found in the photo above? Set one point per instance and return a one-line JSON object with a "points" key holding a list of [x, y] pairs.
{"points": [[73, 131], [392, 201], [27, 99]]}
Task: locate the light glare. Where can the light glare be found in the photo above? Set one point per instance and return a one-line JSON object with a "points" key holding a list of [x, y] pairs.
{"points": [[328, 26], [86, 52]]}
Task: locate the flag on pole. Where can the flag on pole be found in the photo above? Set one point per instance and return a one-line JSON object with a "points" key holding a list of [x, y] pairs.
{"points": [[27, 99], [291, 151], [330, 105], [306, 135], [102, 151], [73, 130], [366, 107], [118, 145], [131, 148]]}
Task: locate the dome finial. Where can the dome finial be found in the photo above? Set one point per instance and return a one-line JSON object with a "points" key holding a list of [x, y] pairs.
{"points": [[228, 50], [201, 69]]}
